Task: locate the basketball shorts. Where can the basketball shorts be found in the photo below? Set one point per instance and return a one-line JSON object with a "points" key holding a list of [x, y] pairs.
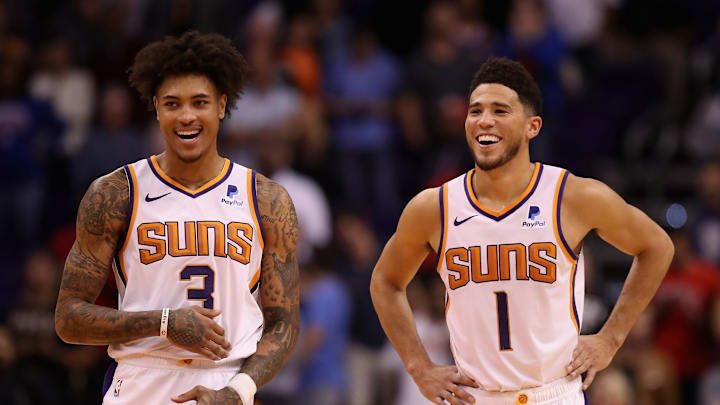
{"points": [[559, 392], [154, 381]]}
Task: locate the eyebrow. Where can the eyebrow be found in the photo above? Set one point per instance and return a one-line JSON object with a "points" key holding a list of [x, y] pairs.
{"points": [[199, 95], [495, 103]]}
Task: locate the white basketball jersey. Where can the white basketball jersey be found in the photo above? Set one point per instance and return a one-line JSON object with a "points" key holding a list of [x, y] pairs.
{"points": [[515, 288], [192, 247]]}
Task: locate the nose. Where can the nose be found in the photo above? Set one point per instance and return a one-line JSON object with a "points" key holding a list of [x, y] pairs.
{"points": [[486, 120], [187, 115]]}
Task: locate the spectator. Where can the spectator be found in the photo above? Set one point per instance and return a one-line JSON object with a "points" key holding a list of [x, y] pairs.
{"points": [[706, 231], [114, 142], [361, 85], [682, 301], [361, 250], [709, 387], [325, 313]]}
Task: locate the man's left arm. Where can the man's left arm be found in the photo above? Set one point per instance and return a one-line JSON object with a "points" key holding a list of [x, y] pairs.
{"points": [[597, 207], [279, 299]]}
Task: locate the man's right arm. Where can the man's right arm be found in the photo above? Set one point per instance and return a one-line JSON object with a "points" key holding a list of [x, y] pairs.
{"points": [[101, 225], [101, 222], [402, 256]]}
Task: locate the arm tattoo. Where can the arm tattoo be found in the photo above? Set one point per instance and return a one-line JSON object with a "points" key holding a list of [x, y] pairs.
{"points": [[279, 286], [100, 226]]}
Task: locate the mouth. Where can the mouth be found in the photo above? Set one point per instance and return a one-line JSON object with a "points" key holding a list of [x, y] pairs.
{"points": [[188, 134], [487, 139]]}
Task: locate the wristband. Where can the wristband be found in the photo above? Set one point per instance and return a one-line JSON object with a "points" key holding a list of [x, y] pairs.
{"points": [[164, 322], [245, 387]]}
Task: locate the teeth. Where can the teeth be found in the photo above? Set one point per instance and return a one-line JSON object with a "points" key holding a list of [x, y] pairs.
{"points": [[187, 133], [488, 138]]}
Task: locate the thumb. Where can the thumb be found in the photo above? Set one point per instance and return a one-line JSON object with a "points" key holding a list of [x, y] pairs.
{"points": [[184, 397], [210, 313]]}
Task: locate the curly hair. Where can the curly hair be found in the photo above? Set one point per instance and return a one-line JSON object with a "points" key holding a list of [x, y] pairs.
{"points": [[511, 74], [210, 55]]}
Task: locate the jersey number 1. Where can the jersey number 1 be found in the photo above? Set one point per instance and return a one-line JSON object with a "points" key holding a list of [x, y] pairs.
{"points": [[206, 293], [503, 320]]}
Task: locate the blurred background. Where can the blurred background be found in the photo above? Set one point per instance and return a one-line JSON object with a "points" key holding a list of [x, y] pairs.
{"points": [[355, 106]]}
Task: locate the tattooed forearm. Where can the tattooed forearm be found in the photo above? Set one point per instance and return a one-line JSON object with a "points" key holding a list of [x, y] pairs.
{"points": [[279, 287], [100, 226]]}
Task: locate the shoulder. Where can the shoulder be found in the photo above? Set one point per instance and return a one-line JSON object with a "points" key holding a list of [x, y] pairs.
{"points": [[106, 204], [583, 191], [421, 216], [593, 202], [277, 212], [270, 191]]}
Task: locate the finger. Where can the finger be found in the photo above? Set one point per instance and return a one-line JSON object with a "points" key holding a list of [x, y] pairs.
{"points": [[216, 349], [453, 399], [218, 329], [465, 380], [186, 396], [438, 401], [462, 394], [589, 377], [211, 335], [580, 369], [203, 351], [210, 313], [577, 361]]}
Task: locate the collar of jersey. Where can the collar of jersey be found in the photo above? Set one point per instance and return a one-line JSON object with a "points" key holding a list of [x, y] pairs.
{"points": [[216, 181], [498, 215]]}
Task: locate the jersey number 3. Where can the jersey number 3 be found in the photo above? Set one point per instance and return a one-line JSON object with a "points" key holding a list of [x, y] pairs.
{"points": [[206, 293]]}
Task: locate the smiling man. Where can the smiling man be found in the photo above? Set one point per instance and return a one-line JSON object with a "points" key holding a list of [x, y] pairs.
{"points": [[202, 249], [509, 234]]}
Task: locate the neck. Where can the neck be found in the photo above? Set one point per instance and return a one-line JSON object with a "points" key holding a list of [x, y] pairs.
{"points": [[502, 185], [191, 174]]}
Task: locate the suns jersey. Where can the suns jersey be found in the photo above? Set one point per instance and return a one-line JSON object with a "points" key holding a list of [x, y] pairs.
{"points": [[515, 289], [191, 247]]}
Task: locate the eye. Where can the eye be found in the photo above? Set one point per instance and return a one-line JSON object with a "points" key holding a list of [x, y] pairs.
{"points": [[500, 112], [474, 111], [201, 102], [170, 104]]}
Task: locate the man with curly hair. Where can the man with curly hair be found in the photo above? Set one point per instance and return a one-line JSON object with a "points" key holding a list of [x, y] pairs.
{"points": [[509, 235], [202, 249]]}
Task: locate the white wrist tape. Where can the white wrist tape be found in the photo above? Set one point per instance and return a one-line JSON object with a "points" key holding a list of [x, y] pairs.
{"points": [[164, 322], [245, 387]]}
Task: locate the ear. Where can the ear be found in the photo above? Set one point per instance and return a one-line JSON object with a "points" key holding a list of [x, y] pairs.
{"points": [[155, 104], [222, 102], [533, 127]]}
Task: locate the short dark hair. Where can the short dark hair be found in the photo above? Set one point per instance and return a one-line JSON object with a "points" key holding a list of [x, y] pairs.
{"points": [[210, 55], [511, 74]]}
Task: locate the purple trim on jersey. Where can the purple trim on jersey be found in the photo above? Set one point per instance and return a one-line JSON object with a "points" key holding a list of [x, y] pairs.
{"points": [[511, 210], [119, 269], [557, 218], [131, 190], [575, 312], [109, 376], [442, 229], [193, 195], [255, 287], [255, 205], [585, 397]]}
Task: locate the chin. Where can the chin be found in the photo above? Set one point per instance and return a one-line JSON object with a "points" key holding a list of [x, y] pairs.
{"points": [[188, 158]]}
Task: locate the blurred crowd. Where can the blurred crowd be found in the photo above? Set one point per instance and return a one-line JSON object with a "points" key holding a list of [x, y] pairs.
{"points": [[355, 106]]}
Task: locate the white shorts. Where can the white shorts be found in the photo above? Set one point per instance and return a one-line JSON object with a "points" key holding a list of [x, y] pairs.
{"points": [[154, 381], [559, 392]]}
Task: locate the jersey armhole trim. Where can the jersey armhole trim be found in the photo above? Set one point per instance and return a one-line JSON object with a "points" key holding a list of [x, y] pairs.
{"points": [[557, 204], [132, 212], [442, 195], [254, 210]]}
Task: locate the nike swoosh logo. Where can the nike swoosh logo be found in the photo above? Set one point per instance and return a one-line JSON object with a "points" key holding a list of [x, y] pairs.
{"points": [[150, 199], [464, 220]]}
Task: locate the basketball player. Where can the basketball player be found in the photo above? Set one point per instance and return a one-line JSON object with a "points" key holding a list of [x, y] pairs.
{"points": [[202, 249], [509, 235]]}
